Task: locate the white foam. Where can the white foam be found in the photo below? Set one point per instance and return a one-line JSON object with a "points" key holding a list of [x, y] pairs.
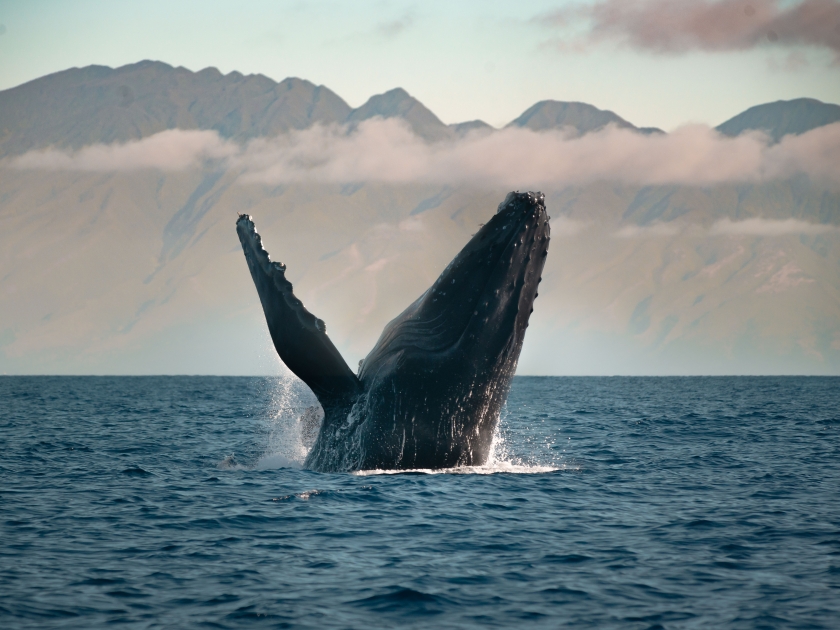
{"points": [[489, 469]]}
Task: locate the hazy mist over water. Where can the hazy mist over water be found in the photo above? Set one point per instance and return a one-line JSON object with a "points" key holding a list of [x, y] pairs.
{"points": [[612, 503]]}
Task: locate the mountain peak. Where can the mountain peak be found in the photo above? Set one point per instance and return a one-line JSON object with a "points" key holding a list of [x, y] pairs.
{"points": [[781, 118], [469, 126], [397, 103], [557, 114]]}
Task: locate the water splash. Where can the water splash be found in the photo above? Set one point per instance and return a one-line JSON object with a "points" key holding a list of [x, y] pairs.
{"points": [[294, 419], [292, 422], [229, 463]]}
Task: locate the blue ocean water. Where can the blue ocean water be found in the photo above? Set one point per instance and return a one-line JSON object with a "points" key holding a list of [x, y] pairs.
{"points": [[179, 502]]}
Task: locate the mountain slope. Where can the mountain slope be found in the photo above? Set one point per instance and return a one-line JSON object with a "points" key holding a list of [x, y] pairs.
{"points": [[464, 128], [579, 116], [98, 104], [782, 118], [398, 103]]}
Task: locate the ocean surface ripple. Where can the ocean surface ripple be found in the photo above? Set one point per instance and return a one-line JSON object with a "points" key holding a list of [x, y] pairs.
{"points": [[161, 502]]}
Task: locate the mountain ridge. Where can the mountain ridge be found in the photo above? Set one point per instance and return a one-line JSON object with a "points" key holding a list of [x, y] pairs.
{"points": [[781, 118], [98, 104], [583, 117]]}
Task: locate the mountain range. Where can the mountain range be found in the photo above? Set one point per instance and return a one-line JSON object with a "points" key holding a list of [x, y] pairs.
{"points": [[141, 272], [97, 104]]}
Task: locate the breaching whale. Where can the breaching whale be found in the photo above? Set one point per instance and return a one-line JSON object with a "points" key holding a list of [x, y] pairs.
{"points": [[430, 392]]}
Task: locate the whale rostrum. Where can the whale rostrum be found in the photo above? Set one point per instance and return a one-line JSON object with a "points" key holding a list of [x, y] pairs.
{"points": [[430, 392]]}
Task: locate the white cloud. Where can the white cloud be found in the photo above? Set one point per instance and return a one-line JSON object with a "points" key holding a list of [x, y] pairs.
{"points": [[564, 226], [768, 227], [816, 152], [387, 151], [171, 150], [647, 231]]}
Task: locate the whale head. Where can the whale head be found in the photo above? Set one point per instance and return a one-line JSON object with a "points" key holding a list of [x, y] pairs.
{"points": [[456, 347]]}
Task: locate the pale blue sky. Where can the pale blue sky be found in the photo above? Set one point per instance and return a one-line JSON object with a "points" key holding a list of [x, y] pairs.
{"points": [[464, 60]]}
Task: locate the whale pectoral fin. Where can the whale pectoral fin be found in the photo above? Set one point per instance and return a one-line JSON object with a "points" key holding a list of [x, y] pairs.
{"points": [[300, 338]]}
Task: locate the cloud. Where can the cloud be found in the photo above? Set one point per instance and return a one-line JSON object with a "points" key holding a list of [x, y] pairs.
{"points": [[388, 151], [172, 150], [816, 152], [564, 226], [647, 231], [678, 26], [768, 227]]}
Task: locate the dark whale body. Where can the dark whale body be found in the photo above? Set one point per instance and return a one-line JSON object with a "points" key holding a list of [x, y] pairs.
{"points": [[430, 392]]}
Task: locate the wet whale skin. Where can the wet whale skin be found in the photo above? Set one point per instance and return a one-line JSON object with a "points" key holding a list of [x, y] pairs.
{"points": [[430, 392]]}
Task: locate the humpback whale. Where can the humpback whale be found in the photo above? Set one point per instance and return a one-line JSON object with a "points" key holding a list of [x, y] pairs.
{"points": [[430, 392]]}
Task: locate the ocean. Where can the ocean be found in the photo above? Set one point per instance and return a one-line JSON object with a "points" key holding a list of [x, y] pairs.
{"points": [[180, 502]]}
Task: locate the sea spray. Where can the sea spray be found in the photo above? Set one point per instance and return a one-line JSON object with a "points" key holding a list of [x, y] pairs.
{"points": [[293, 417]]}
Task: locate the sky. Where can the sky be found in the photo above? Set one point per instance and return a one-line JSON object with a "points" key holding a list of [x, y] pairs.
{"points": [[658, 63]]}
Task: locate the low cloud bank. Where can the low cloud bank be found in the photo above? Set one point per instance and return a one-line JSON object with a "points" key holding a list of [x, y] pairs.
{"points": [[387, 151], [678, 26], [756, 226], [171, 150], [768, 227], [647, 231]]}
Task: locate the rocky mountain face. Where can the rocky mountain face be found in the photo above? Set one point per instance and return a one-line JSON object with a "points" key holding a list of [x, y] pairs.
{"points": [[141, 272]]}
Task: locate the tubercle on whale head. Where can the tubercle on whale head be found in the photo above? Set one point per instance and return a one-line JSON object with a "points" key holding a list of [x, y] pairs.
{"points": [[487, 292], [484, 296], [496, 330], [459, 343], [430, 392]]}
